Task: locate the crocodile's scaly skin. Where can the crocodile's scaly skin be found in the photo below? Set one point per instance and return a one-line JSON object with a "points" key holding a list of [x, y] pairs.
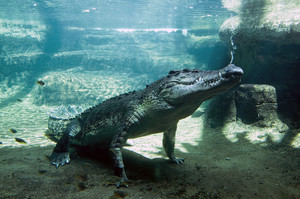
{"points": [[157, 108]]}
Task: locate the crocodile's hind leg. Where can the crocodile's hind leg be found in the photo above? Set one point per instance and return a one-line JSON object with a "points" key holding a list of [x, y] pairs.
{"points": [[169, 144], [116, 146], [60, 154]]}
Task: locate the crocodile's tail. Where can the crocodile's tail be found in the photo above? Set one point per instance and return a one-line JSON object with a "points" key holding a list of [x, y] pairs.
{"points": [[56, 128], [59, 118]]}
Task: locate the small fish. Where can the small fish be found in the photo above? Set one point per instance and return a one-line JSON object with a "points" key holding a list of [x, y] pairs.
{"points": [[40, 82], [19, 100], [13, 130], [20, 140]]}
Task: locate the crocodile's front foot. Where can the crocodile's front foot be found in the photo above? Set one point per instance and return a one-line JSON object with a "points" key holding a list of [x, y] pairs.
{"points": [[58, 159], [177, 161]]}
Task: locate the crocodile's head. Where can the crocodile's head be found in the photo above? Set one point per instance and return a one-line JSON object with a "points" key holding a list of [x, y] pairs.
{"points": [[191, 87]]}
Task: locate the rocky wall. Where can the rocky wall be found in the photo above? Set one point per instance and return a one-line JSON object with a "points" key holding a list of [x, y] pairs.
{"points": [[264, 38], [266, 34]]}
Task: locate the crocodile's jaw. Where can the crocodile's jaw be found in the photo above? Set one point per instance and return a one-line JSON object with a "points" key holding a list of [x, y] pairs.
{"points": [[195, 86]]}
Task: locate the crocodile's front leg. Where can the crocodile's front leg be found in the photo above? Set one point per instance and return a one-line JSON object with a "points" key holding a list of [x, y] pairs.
{"points": [[116, 146], [169, 144], [60, 154]]}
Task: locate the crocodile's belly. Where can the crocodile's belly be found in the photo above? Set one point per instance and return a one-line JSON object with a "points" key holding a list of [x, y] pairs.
{"points": [[101, 137], [151, 127]]}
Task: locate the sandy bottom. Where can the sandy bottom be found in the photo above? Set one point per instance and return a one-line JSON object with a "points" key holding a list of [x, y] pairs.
{"points": [[214, 168]]}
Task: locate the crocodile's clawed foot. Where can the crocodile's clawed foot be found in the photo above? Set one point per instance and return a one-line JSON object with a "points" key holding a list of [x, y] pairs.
{"points": [[118, 182], [123, 183], [58, 159], [177, 161]]}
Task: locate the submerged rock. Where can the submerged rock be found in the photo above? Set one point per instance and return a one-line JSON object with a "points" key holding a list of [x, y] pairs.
{"points": [[257, 105], [258, 112]]}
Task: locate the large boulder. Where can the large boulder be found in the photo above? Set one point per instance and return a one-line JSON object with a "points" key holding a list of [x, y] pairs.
{"points": [[258, 112]]}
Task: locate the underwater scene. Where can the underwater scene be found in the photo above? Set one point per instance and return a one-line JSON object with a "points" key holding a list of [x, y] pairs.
{"points": [[150, 99]]}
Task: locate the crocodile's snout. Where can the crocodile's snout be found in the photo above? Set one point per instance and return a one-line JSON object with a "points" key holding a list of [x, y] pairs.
{"points": [[232, 71]]}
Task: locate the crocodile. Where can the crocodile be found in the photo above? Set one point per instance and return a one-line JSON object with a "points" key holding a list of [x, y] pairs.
{"points": [[155, 109]]}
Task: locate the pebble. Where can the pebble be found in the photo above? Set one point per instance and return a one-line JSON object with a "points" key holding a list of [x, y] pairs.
{"points": [[41, 171], [120, 194]]}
